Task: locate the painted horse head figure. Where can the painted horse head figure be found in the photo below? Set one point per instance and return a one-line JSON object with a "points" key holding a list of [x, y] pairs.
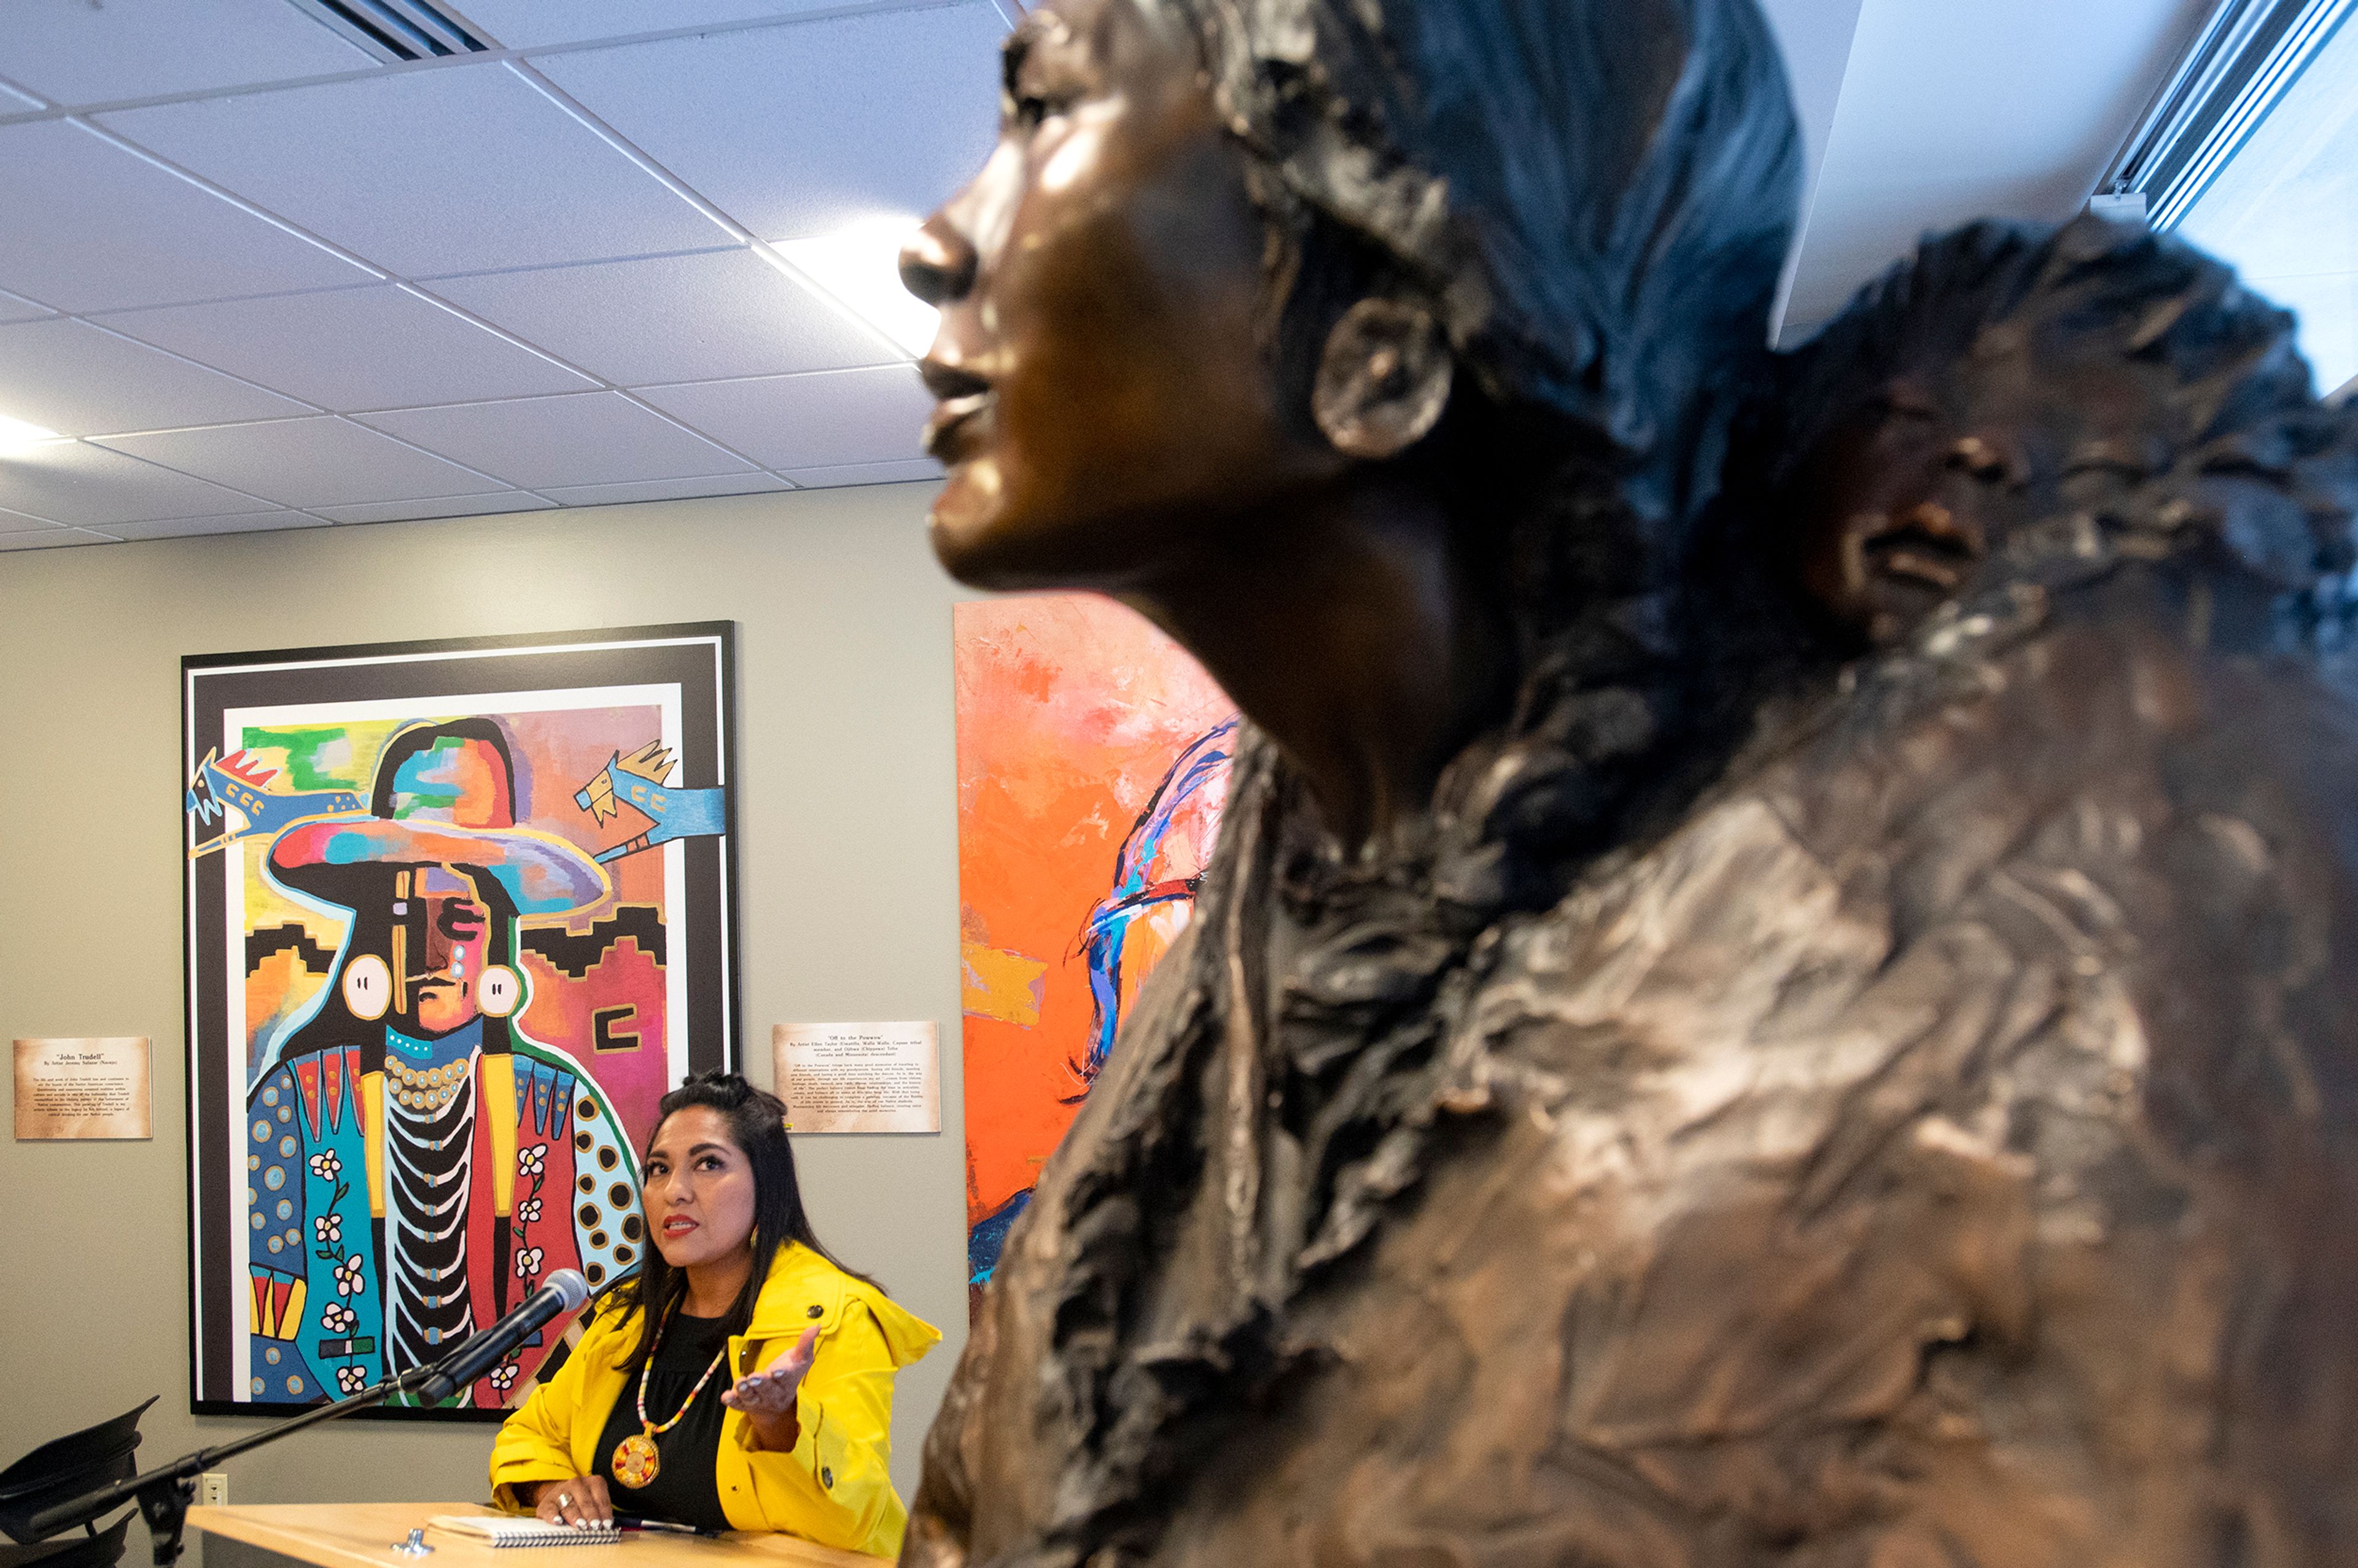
{"points": [[247, 797], [637, 781]]}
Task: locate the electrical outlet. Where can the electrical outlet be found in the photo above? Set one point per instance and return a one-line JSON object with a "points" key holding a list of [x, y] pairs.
{"points": [[212, 1488]]}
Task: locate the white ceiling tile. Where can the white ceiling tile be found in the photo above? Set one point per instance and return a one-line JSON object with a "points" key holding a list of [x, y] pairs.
{"points": [[305, 462], [591, 437], [80, 52], [74, 482], [865, 474], [666, 318], [527, 24], [352, 349], [14, 309], [808, 421], [191, 527], [449, 506], [72, 377], [48, 538], [664, 489], [93, 226], [801, 129], [456, 170]]}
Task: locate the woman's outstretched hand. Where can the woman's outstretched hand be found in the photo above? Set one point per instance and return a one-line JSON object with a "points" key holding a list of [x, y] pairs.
{"points": [[767, 1397]]}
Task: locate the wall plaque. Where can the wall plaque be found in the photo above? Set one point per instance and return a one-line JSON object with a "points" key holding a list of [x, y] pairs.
{"points": [[93, 1088], [859, 1078]]}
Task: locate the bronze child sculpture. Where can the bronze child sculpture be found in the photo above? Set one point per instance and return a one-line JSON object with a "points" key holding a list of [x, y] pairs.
{"points": [[1775, 988]]}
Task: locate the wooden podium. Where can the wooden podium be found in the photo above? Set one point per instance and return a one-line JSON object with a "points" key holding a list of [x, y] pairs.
{"points": [[362, 1535]]}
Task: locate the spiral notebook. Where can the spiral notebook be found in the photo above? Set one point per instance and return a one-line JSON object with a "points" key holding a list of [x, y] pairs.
{"points": [[496, 1531]]}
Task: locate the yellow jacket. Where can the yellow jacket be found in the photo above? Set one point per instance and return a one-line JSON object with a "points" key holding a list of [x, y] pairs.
{"points": [[834, 1486]]}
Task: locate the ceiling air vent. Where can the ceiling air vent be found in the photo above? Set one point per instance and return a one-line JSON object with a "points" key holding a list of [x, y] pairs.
{"points": [[395, 29]]}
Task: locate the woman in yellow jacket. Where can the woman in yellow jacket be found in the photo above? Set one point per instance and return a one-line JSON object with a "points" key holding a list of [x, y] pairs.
{"points": [[743, 1381]]}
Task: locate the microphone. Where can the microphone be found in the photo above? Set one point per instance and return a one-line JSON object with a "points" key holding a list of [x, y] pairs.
{"points": [[563, 1292]]}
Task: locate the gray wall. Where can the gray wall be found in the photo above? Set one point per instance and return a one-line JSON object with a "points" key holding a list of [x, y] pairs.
{"points": [[848, 904]]}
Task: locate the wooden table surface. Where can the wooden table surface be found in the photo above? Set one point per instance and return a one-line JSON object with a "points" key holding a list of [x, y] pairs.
{"points": [[360, 1535]]}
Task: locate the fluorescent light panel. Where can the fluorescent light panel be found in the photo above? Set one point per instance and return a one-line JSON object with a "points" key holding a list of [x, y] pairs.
{"points": [[18, 436], [861, 268]]}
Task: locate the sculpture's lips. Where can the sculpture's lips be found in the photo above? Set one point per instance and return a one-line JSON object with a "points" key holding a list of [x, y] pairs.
{"points": [[950, 420], [961, 396]]}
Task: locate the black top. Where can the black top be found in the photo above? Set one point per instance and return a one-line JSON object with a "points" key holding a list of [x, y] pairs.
{"points": [[685, 1488]]}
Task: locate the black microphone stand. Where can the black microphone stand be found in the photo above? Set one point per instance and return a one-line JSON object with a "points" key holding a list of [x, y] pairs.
{"points": [[165, 1493]]}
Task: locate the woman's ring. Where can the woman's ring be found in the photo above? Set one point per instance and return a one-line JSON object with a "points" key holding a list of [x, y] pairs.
{"points": [[564, 1500]]}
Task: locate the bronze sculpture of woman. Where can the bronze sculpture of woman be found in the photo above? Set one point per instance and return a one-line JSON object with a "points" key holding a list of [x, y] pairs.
{"points": [[1773, 990]]}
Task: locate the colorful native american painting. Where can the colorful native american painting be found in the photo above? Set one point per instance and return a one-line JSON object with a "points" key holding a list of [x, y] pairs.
{"points": [[459, 915], [1093, 760]]}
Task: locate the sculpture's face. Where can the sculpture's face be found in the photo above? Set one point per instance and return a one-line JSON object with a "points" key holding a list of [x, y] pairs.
{"points": [[1105, 397], [1905, 499], [1887, 536]]}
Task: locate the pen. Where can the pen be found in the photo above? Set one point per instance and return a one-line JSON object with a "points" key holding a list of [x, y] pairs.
{"points": [[660, 1526]]}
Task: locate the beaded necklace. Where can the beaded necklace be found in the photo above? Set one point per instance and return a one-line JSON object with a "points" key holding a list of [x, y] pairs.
{"points": [[636, 1458]]}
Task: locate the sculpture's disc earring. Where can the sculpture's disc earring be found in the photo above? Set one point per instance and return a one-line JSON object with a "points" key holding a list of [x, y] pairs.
{"points": [[1383, 378]]}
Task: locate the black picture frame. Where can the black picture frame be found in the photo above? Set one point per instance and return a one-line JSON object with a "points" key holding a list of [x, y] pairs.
{"points": [[696, 660]]}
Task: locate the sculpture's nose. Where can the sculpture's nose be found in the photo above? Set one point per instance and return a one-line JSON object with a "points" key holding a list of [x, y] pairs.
{"points": [[938, 263]]}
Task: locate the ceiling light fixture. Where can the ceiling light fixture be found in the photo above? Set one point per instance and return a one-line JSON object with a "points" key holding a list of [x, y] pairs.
{"points": [[860, 268], [17, 437]]}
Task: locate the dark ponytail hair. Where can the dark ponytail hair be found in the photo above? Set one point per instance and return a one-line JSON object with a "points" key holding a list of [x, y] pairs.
{"points": [[757, 1125]]}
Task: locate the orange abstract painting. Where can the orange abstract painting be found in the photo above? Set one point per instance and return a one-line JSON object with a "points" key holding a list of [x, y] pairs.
{"points": [[1093, 761]]}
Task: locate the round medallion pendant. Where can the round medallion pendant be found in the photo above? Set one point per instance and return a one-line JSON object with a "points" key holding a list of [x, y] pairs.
{"points": [[637, 1461]]}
